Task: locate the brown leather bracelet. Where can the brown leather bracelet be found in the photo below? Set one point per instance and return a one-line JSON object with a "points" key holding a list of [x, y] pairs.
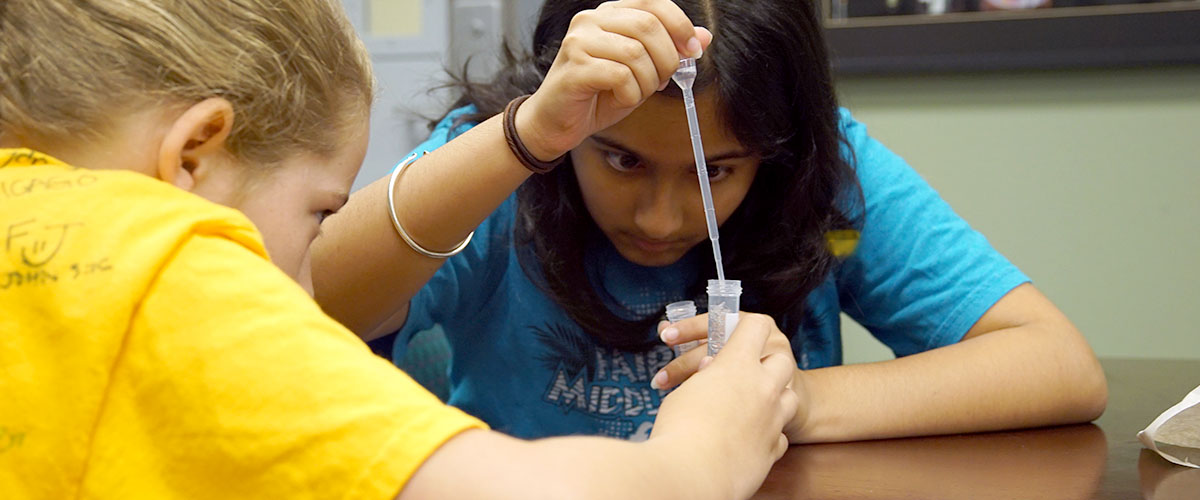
{"points": [[518, 148]]}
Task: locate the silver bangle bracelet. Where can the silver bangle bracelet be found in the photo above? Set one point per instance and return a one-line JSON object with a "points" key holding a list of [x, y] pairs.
{"points": [[400, 229]]}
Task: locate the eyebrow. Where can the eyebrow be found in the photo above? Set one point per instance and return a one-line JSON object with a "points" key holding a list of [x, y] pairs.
{"points": [[609, 143]]}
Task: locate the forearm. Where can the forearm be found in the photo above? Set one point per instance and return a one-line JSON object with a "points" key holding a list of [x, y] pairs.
{"points": [[1031, 375], [363, 273], [656, 469], [489, 465]]}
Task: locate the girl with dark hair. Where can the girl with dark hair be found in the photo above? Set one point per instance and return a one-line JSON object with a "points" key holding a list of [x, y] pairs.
{"points": [[550, 310]]}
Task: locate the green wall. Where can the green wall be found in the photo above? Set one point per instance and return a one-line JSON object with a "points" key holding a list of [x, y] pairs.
{"points": [[1088, 180]]}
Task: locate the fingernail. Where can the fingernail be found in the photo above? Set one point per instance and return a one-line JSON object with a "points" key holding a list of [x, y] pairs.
{"points": [[670, 334], [664, 85], [704, 362], [659, 381], [693, 47]]}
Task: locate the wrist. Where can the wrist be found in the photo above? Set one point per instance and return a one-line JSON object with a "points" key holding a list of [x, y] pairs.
{"points": [[799, 429], [541, 144]]}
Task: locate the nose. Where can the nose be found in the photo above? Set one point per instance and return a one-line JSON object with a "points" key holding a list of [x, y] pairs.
{"points": [[659, 213]]}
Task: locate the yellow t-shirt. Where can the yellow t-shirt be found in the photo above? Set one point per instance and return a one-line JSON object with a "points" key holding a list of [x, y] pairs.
{"points": [[149, 349]]}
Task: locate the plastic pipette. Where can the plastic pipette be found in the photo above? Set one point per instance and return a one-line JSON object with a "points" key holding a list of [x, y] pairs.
{"points": [[684, 77]]}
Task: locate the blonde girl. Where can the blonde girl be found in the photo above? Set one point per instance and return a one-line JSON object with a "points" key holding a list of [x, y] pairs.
{"points": [[164, 167]]}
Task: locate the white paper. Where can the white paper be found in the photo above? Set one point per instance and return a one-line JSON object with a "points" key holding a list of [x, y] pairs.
{"points": [[1182, 445]]}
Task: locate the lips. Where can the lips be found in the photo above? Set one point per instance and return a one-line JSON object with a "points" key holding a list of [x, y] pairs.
{"points": [[653, 246]]}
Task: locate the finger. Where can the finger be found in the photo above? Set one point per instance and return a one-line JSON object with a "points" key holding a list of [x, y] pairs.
{"points": [[750, 336], [687, 330], [630, 52], [678, 370], [645, 29], [604, 76], [681, 29]]}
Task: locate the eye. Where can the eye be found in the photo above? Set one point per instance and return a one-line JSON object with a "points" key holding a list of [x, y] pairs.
{"points": [[717, 173], [621, 162]]}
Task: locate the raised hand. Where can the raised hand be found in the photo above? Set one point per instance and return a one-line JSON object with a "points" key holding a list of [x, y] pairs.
{"points": [[611, 59]]}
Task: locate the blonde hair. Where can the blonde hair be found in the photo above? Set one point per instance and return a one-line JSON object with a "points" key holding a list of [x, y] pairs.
{"points": [[294, 70]]}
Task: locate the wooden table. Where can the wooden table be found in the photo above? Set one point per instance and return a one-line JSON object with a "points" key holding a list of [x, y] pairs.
{"points": [[1103, 460]]}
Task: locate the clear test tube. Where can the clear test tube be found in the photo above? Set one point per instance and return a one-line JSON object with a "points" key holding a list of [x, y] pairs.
{"points": [[679, 311], [724, 300]]}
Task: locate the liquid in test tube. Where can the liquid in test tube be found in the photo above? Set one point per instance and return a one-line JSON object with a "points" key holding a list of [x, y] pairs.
{"points": [[679, 311], [724, 300]]}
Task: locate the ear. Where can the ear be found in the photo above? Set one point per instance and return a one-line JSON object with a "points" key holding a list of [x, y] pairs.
{"points": [[195, 142]]}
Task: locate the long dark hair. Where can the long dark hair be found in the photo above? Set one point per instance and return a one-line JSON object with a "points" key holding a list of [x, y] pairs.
{"points": [[769, 67]]}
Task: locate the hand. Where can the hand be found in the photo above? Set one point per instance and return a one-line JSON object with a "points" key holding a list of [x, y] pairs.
{"points": [[735, 408], [612, 59], [683, 367]]}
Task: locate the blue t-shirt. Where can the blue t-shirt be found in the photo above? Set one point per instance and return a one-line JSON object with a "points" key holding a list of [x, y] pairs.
{"points": [[918, 279]]}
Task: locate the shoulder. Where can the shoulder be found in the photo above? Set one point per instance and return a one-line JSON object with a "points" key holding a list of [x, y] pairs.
{"points": [[129, 222], [860, 149], [853, 130], [881, 173], [135, 206], [212, 271]]}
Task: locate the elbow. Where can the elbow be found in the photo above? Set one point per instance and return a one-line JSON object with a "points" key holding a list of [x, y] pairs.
{"points": [[1080, 387], [1093, 394], [1088, 387], [1080, 396]]}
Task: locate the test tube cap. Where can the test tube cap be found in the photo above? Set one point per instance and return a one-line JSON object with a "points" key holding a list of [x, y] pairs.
{"points": [[681, 310]]}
